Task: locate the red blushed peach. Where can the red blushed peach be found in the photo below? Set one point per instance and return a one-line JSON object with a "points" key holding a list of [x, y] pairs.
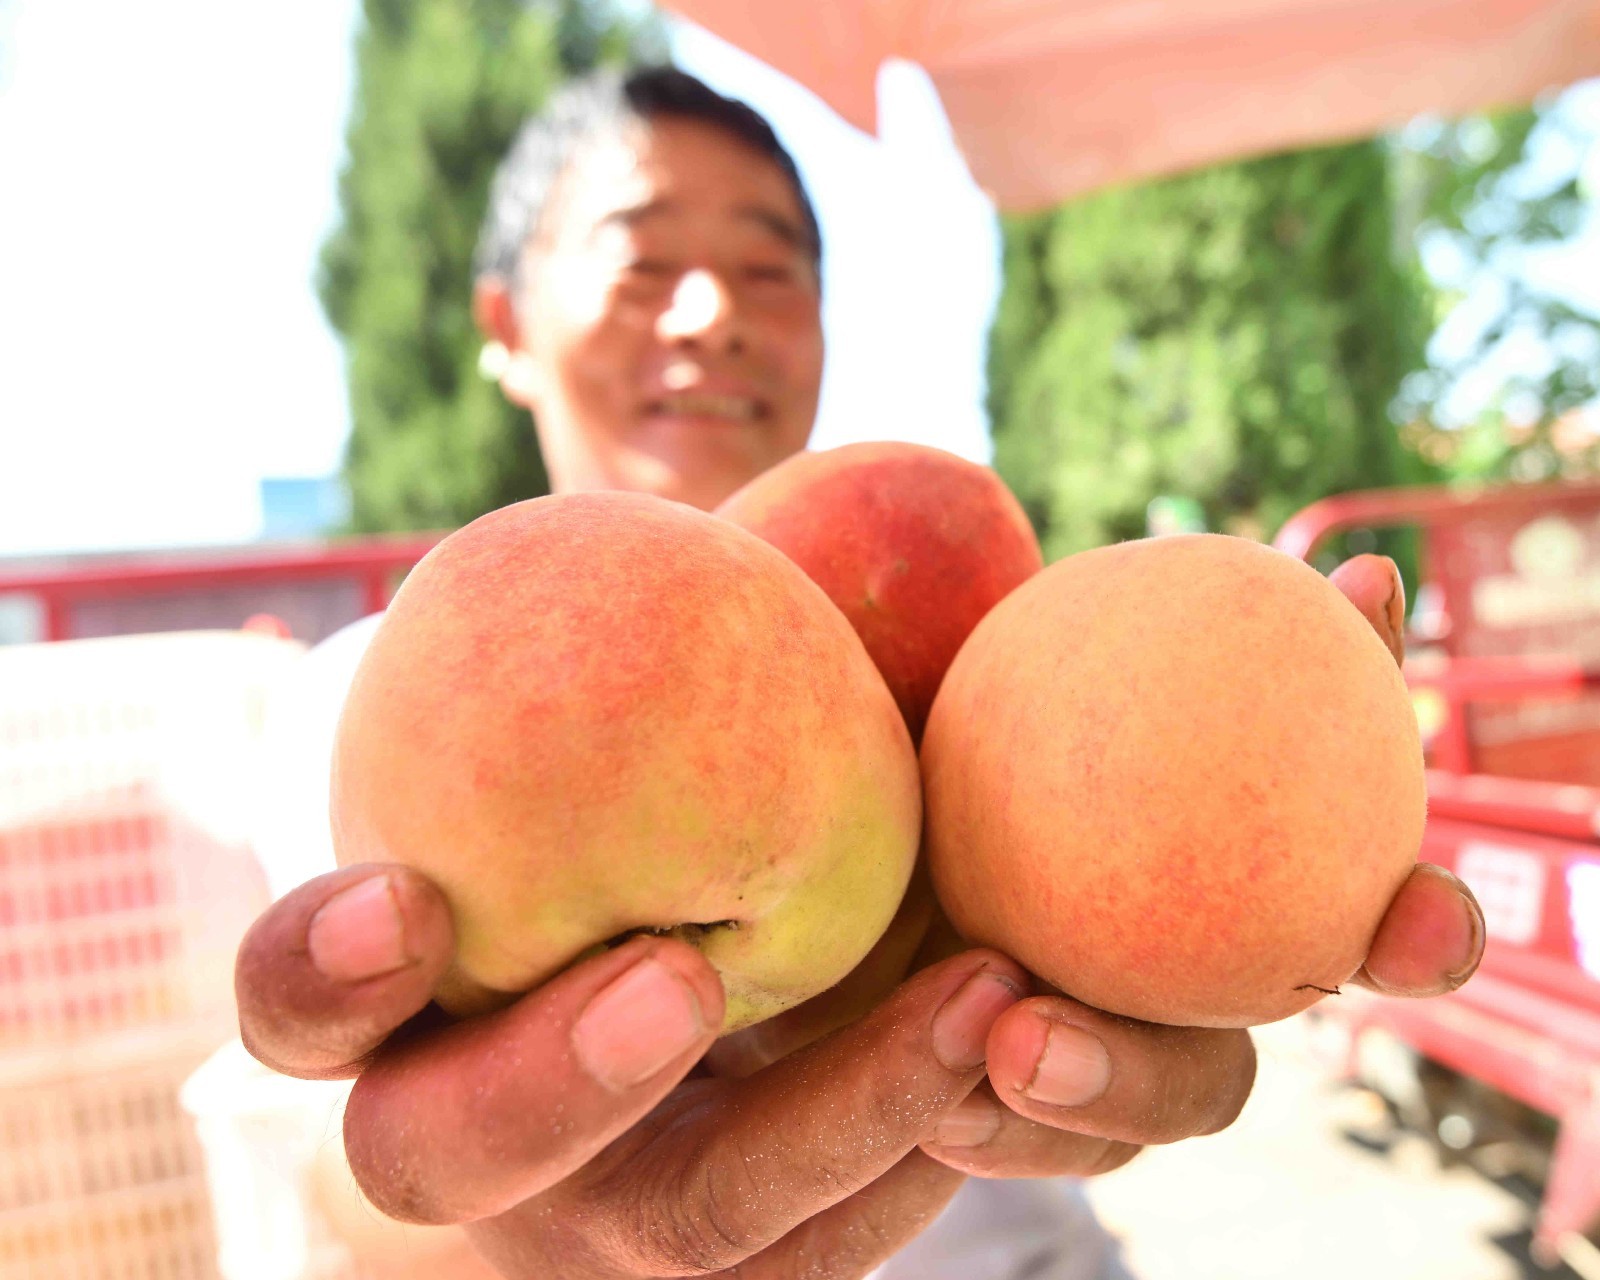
{"points": [[600, 713], [913, 544], [1179, 779]]}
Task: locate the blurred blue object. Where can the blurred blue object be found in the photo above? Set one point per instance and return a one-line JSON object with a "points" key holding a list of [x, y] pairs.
{"points": [[295, 507]]}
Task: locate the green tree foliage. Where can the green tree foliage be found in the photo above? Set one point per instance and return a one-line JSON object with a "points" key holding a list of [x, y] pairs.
{"points": [[1487, 196], [1235, 336], [441, 89]]}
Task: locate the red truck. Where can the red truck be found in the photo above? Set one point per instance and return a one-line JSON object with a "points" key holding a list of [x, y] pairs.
{"points": [[1504, 664]]}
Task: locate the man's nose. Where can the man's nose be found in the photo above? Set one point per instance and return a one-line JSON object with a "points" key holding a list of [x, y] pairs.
{"points": [[703, 310]]}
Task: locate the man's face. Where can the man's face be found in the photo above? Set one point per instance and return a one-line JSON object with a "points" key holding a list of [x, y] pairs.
{"points": [[669, 333]]}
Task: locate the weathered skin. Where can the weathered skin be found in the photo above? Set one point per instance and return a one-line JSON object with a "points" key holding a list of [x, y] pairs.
{"points": [[1179, 779], [913, 544], [600, 713]]}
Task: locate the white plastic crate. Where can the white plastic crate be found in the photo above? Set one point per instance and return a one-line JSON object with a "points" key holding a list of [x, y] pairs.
{"points": [[287, 1206], [101, 1176], [128, 788], [159, 1232]]}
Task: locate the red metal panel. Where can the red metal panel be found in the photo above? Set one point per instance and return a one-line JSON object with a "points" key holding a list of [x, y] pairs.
{"points": [[1513, 572], [1540, 895], [1523, 583], [1541, 674], [1542, 1073], [1572, 1192], [1546, 808]]}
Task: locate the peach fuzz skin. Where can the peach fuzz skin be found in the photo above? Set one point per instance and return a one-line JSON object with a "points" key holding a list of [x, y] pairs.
{"points": [[1179, 779], [596, 714], [914, 545]]}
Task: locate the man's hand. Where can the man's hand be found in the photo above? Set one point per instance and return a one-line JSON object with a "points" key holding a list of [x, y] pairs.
{"points": [[563, 1127], [1074, 1090], [565, 1130]]}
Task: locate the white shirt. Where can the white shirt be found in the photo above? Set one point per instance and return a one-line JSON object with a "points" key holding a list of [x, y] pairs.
{"points": [[1037, 1229]]}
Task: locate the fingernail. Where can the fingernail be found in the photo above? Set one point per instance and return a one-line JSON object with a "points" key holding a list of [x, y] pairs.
{"points": [[971, 1124], [1469, 944], [358, 934], [1073, 1070], [637, 1025], [1394, 618], [961, 1027], [1469, 962]]}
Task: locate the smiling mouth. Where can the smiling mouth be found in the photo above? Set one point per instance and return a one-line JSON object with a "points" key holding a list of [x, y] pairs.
{"points": [[731, 408]]}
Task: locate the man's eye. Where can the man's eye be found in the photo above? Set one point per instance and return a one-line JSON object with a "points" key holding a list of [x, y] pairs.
{"points": [[769, 273], [652, 267]]}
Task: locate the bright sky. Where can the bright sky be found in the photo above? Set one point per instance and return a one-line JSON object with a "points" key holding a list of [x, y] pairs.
{"points": [[161, 349], [160, 345]]}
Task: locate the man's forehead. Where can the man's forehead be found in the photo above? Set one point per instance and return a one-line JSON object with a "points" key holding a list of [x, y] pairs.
{"points": [[663, 211], [676, 170]]}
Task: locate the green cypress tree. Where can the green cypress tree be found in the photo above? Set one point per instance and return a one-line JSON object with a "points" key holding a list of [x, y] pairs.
{"points": [[441, 89], [1234, 336]]}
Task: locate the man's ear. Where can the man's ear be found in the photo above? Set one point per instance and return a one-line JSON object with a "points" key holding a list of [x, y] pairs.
{"points": [[495, 314]]}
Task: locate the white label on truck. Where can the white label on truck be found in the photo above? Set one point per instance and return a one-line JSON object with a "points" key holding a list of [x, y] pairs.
{"points": [[1509, 884], [1583, 907]]}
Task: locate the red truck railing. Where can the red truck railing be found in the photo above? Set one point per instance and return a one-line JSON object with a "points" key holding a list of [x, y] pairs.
{"points": [[314, 588], [1431, 507]]}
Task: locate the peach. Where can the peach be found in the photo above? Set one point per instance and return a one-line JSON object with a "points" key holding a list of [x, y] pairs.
{"points": [[591, 715], [913, 544], [1179, 779]]}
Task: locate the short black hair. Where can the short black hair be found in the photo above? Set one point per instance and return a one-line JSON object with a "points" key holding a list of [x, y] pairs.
{"points": [[599, 107]]}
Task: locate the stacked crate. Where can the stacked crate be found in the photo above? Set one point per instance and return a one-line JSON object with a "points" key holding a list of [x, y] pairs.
{"points": [[126, 881]]}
